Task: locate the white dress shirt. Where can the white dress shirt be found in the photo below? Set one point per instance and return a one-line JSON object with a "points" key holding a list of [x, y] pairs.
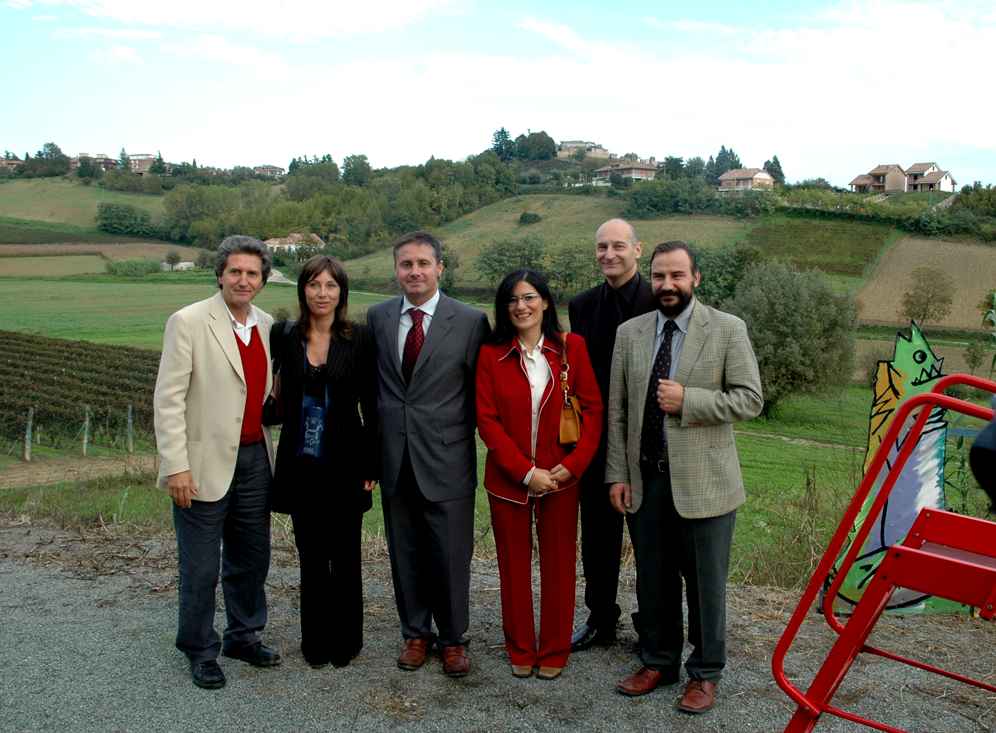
{"points": [[405, 324], [538, 372], [244, 331]]}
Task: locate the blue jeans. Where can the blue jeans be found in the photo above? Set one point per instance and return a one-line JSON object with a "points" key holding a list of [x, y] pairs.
{"points": [[235, 533]]}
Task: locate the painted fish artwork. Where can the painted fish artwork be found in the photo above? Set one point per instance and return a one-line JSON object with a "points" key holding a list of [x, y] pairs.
{"points": [[913, 369]]}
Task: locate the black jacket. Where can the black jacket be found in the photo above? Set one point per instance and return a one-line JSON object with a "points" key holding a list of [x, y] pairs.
{"points": [[351, 452], [595, 316]]}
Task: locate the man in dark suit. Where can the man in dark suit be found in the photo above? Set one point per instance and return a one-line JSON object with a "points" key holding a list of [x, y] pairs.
{"points": [[427, 348], [595, 314]]}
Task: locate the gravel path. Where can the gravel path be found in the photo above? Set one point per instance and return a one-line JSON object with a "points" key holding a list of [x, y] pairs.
{"points": [[86, 644]]}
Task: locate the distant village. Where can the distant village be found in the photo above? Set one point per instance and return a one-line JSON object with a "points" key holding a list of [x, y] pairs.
{"points": [[885, 178]]}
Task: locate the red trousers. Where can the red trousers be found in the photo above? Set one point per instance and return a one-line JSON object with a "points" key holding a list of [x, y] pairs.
{"points": [[556, 529]]}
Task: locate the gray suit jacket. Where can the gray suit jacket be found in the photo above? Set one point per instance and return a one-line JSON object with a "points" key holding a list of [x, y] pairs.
{"points": [[434, 414], [722, 384]]}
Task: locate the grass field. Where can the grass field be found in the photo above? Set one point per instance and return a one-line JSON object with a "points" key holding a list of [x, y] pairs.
{"points": [[568, 221], [124, 313], [51, 266], [971, 266], [126, 250], [922, 198], [66, 202], [844, 250], [24, 231]]}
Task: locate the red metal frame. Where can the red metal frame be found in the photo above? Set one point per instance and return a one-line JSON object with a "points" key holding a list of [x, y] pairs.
{"points": [[852, 635]]}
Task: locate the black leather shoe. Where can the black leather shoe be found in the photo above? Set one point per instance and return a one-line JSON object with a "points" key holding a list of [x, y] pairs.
{"points": [[258, 655], [589, 636], [207, 675]]}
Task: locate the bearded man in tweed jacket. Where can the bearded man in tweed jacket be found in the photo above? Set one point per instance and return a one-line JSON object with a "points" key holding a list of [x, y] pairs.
{"points": [[681, 376]]}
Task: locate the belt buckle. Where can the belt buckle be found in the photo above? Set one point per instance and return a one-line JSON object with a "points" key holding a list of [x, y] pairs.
{"points": [[661, 464]]}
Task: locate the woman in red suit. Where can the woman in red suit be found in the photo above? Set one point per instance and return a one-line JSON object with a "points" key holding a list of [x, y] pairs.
{"points": [[528, 472]]}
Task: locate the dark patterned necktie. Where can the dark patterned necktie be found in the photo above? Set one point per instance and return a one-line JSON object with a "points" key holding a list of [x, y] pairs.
{"points": [[652, 445], [413, 344]]}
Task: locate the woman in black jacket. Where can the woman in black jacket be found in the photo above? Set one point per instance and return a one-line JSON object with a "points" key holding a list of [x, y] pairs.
{"points": [[327, 458]]}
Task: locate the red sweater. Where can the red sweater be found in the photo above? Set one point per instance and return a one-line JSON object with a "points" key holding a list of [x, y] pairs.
{"points": [[254, 366], [504, 407]]}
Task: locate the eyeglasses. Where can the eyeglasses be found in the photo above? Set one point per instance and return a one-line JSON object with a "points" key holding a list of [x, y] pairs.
{"points": [[528, 299]]}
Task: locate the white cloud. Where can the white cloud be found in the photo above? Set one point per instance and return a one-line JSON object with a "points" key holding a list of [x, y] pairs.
{"points": [[694, 26], [44, 18], [218, 50], [290, 19], [561, 35], [137, 34], [19, 4], [117, 55]]}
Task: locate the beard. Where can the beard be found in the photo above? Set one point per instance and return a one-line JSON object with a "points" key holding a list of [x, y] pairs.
{"points": [[672, 310]]}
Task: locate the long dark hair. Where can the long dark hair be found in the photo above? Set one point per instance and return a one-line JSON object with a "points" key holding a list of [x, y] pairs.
{"points": [[504, 330], [312, 269]]}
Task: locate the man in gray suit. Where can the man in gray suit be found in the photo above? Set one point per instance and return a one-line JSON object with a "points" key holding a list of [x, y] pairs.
{"points": [[427, 348], [680, 377]]}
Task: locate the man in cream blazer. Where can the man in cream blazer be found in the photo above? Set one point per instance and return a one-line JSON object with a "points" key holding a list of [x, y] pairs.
{"points": [[216, 460], [681, 376]]}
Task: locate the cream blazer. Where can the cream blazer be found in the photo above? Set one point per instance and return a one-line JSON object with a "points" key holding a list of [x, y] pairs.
{"points": [[201, 395]]}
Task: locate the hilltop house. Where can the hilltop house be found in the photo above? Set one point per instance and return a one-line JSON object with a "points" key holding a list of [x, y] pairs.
{"points": [[633, 170], [929, 177], [10, 164], [141, 162], [292, 241], [883, 178], [569, 148], [100, 160], [270, 171], [746, 179]]}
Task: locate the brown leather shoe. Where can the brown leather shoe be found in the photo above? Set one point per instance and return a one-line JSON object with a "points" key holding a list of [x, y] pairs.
{"points": [[644, 681], [413, 655], [456, 663], [700, 696]]}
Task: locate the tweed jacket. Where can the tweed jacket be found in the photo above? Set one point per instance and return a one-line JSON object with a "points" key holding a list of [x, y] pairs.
{"points": [[200, 396], [718, 370]]}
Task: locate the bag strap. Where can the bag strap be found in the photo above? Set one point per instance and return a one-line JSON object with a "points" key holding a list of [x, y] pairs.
{"points": [[565, 367]]}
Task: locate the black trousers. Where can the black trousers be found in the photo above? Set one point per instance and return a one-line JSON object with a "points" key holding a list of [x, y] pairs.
{"points": [[601, 547], [430, 545], [328, 548], [235, 531], [670, 549]]}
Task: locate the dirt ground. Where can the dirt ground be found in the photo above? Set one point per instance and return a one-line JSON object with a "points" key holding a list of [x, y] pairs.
{"points": [[79, 602], [971, 266]]}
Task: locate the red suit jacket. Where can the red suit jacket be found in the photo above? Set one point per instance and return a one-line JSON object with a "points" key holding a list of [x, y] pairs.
{"points": [[504, 404]]}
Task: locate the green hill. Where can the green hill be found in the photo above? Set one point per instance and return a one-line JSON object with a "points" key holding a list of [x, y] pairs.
{"points": [[844, 250], [58, 200], [568, 221]]}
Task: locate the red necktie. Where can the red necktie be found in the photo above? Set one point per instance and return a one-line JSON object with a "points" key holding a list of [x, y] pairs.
{"points": [[413, 344]]}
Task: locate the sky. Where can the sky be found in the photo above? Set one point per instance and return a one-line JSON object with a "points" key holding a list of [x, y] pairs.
{"points": [[831, 88]]}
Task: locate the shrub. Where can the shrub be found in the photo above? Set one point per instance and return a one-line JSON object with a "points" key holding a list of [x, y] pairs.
{"points": [[133, 268], [802, 332], [125, 219], [507, 255], [722, 270], [529, 217]]}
